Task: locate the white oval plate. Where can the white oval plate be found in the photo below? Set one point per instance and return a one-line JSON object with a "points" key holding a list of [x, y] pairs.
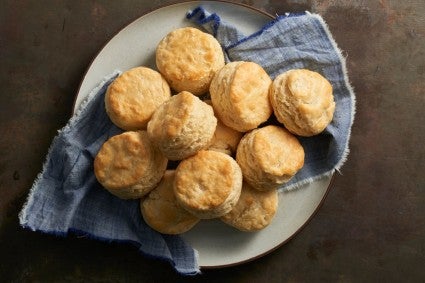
{"points": [[218, 244]]}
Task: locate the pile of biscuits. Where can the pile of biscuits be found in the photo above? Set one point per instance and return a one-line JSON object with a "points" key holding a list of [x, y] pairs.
{"points": [[212, 120]]}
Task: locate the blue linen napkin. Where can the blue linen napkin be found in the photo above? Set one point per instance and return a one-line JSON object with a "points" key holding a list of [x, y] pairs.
{"points": [[66, 196], [294, 41]]}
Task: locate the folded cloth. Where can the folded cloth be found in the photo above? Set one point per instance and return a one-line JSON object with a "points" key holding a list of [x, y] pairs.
{"points": [[296, 41], [66, 196]]}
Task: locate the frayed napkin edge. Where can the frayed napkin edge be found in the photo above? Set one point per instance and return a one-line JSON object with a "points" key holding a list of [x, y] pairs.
{"points": [[85, 235], [344, 157], [307, 181], [23, 220], [337, 167], [347, 85], [23, 214]]}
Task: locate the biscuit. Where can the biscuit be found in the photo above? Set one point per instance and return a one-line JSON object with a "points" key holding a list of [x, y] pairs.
{"points": [[132, 97], [239, 94], [302, 101], [254, 210], [225, 139], [269, 157], [161, 211], [182, 126], [188, 59], [129, 165], [208, 184]]}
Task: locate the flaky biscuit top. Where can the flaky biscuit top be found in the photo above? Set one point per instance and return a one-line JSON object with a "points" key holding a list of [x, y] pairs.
{"points": [[240, 95], [254, 210], [303, 101], [124, 159], [277, 151], [161, 211], [132, 97], [182, 126], [205, 181], [269, 156], [189, 58]]}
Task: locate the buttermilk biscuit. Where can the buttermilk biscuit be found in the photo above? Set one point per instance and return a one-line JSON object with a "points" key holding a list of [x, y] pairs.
{"points": [[188, 58], [133, 96], [302, 100], [269, 156], [182, 125], [225, 139], [208, 184], [254, 210], [239, 94], [129, 165], [161, 211]]}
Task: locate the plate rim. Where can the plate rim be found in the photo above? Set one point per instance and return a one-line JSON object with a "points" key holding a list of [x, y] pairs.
{"points": [[174, 3], [316, 210], [146, 12]]}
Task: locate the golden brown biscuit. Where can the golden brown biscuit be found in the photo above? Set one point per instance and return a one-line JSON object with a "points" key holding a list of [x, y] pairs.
{"points": [[188, 58], [239, 94], [132, 97], [182, 126], [302, 101], [225, 139], [254, 210], [269, 157], [208, 184], [161, 211], [129, 165]]}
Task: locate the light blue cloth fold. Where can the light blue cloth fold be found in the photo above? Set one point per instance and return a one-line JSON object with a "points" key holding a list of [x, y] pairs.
{"points": [[290, 42], [66, 196]]}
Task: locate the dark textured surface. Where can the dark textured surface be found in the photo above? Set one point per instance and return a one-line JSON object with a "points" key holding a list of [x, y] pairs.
{"points": [[371, 227]]}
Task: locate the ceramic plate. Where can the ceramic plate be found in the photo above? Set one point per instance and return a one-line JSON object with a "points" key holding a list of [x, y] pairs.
{"points": [[218, 244]]}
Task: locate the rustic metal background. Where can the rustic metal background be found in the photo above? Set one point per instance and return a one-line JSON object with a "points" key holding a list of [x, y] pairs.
{"points": [[371, 228]]}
